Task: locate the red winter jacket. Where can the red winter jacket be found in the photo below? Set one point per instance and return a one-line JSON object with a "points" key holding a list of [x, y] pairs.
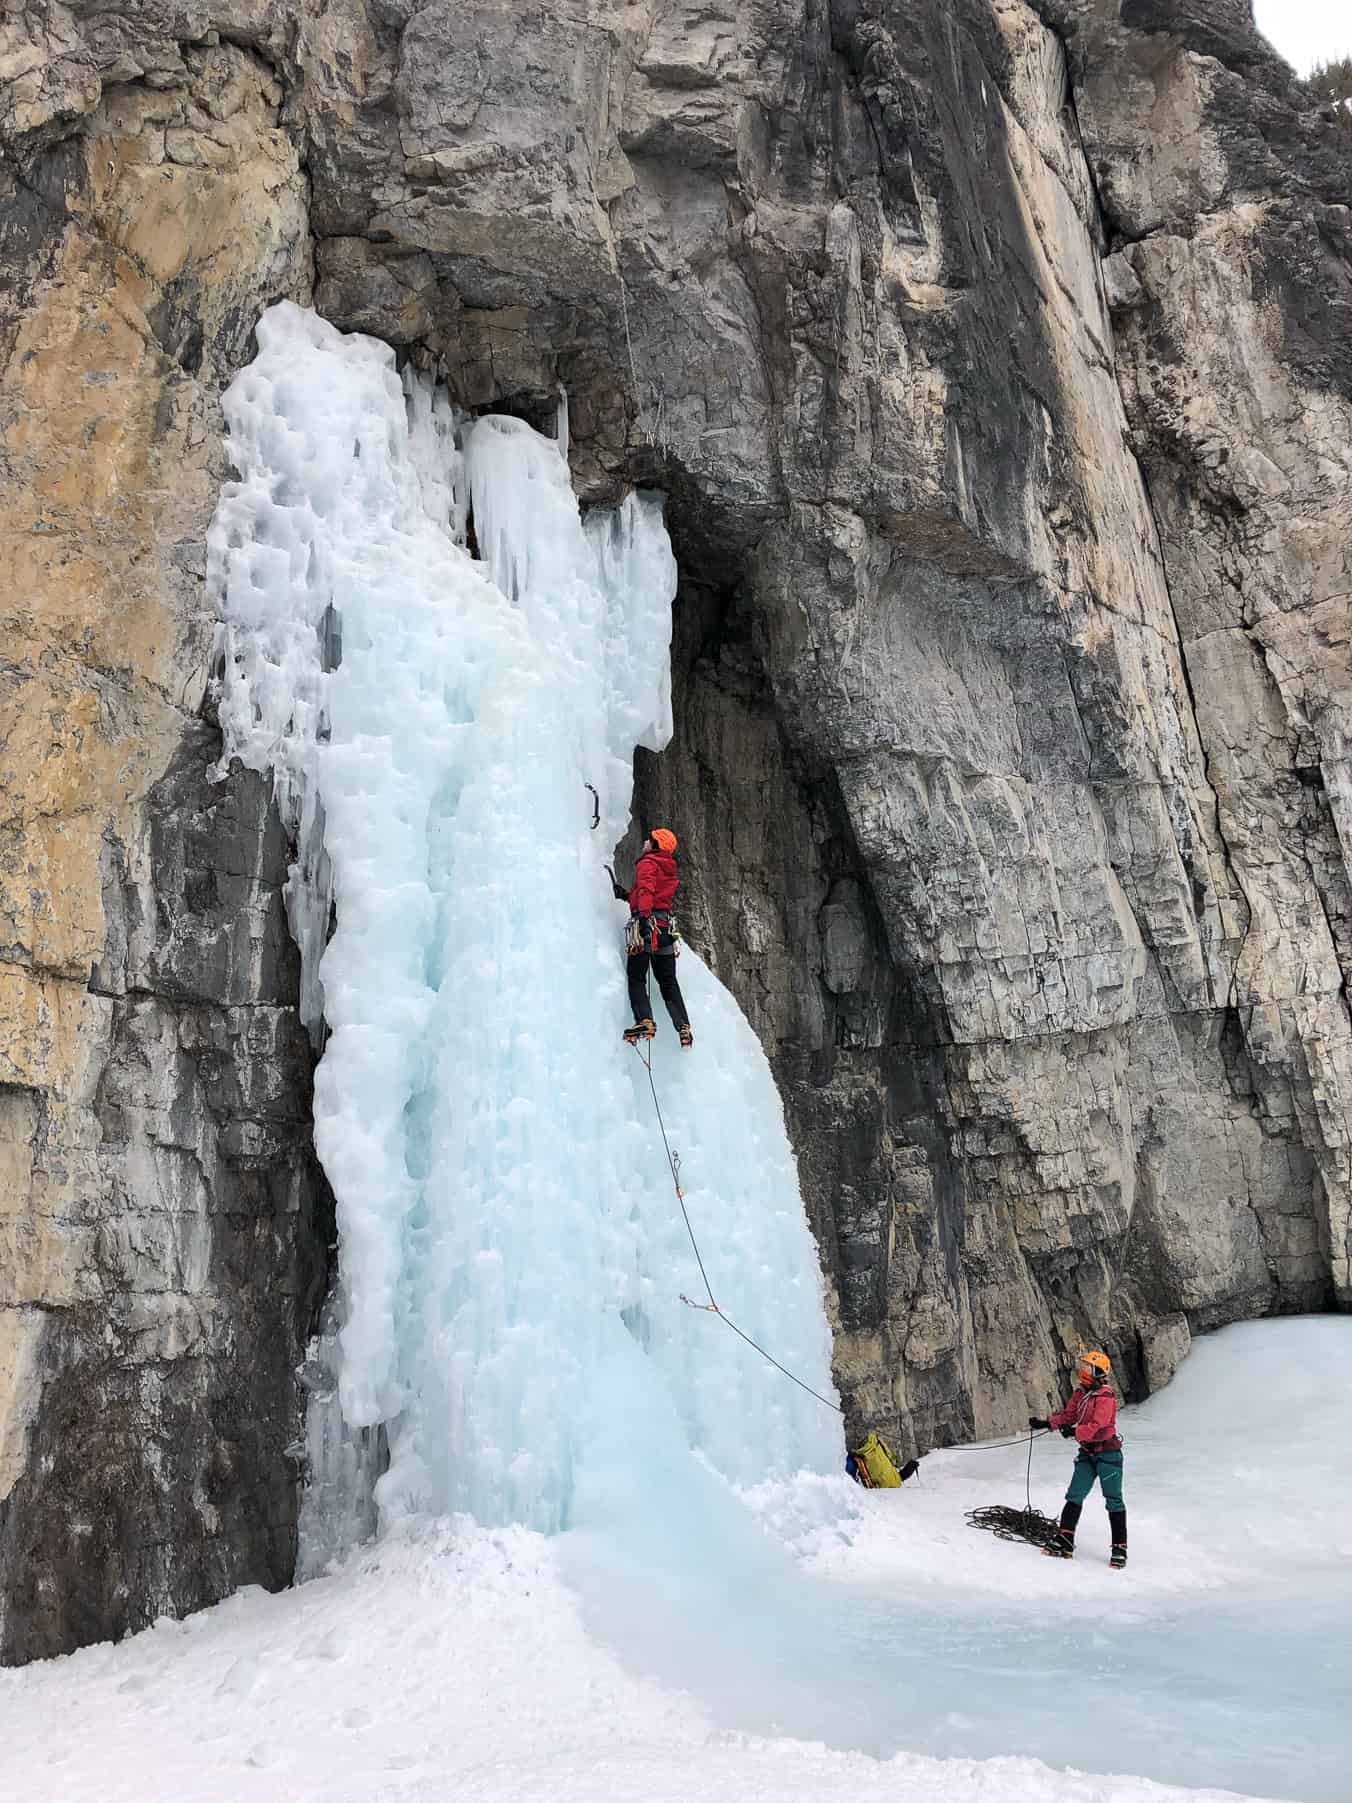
{"points": [[1093, 1415], [655, 881]]}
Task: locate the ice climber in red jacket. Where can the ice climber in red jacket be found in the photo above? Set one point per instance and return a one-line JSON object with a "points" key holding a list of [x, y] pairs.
{"points": [[1091, 1418], [652, 937]]}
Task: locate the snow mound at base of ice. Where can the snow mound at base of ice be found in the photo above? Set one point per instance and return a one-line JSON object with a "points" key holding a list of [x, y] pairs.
{"points": [[444, 1664], [455, 1661]]}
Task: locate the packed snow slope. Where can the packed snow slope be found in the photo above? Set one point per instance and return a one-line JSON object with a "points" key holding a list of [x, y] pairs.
{"points": [[447, 1666], [1221, 1656], [450, 1661]]}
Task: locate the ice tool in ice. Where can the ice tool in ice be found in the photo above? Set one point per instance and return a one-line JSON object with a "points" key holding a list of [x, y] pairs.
{"points": [[431, 720]]}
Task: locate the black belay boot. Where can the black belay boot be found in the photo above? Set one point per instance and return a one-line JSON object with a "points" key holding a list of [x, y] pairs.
{"points": [[641, 1029], [1062, 1543], [1117, 1521], [687, 1038]]}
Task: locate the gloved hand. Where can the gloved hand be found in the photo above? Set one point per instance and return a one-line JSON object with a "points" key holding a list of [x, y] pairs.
{"points": [[621, 893], [1067, 1433], [1038, 1421]]}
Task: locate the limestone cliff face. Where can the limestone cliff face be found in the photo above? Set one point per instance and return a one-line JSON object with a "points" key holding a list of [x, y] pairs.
{"points": [[161, 1214], [995, 359]]}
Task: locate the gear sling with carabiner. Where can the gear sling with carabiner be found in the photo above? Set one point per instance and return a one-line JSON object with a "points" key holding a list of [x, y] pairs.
{"points": [[652, 942]]}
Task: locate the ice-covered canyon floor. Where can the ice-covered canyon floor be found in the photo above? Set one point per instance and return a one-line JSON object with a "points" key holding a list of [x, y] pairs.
{"points": [[448, 1662]]}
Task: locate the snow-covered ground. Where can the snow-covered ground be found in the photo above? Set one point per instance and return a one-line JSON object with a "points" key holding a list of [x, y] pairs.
{"points": [[1236, 1480], [451, 1666], [453, 1663], [1219, 1657]]}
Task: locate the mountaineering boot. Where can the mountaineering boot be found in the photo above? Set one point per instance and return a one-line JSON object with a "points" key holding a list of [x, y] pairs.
{"points": [[1117, 1521], [1062, 1543], [641, 1029], [687, 1038]]}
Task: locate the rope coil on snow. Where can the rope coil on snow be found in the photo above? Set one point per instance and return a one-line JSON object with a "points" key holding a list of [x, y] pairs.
{"points": [[1006, 1523], [711, 1306], [1014, 1524]]}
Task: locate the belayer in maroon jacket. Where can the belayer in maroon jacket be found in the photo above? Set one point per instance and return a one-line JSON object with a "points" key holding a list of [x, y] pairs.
{"points": [[1090, 1417], [652, 937]]}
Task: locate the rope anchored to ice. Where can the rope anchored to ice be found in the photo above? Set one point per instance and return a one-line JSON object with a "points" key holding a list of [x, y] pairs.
{"points": [[711, 1306]]}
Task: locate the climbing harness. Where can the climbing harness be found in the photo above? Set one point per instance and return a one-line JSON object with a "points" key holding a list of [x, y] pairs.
{"points": [[1006, 1523], [711, 1306], [662, 925], [645, 933]]}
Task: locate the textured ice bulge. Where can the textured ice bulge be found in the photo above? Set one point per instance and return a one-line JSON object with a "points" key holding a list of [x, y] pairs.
{"points": [[511, 1251]]}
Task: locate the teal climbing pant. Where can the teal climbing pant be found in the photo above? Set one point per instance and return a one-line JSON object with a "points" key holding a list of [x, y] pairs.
{"points": [[1106, 1467]]}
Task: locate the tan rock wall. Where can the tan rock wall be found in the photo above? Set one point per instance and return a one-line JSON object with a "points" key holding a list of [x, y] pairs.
{"points": [[139, 251]]}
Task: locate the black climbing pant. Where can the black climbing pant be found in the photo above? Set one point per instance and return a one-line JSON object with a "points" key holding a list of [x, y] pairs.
{"points": [[664, 969]]}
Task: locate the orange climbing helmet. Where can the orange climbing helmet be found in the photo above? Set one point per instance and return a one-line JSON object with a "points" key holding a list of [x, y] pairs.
{"points": [[1097, 1362], [663, 840]]}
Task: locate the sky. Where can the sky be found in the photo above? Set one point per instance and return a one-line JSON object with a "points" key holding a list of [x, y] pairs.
{"points": [[1306, 31]]}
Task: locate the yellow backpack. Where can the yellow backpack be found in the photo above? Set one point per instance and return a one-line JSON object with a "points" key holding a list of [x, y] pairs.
{"points": [[875, 1465]]}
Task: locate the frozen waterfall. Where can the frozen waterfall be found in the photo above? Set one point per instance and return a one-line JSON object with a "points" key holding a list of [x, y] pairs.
{"points": [[511, 1253]]}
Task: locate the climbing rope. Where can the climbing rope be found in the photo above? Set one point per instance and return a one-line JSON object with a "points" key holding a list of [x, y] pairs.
{"points": [[1027, 1523], [1005, 1523], [711, 1306], [991, 1445]]}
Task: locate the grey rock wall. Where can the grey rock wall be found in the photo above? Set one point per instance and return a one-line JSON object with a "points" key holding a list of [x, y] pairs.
{"points": [[161, 1386], [994, 358], [853, 282]]}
